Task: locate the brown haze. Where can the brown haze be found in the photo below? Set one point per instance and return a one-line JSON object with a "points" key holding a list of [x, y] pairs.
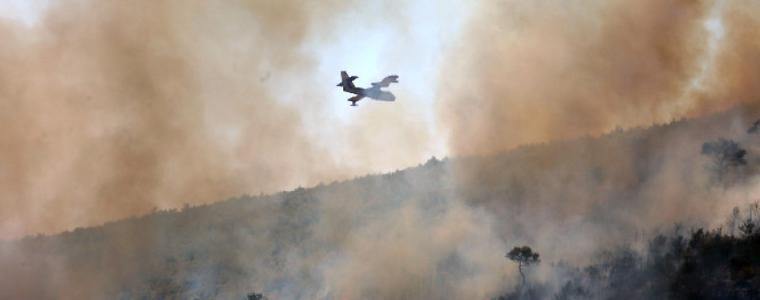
{"points": [[535, 71], [110, 116], [113, 109]]}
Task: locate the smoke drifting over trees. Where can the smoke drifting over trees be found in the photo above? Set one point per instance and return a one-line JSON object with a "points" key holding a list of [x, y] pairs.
{"points": [[112, 109], [417, 233], [535, 71]]}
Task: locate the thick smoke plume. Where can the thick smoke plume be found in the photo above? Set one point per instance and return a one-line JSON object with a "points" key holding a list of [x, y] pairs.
{"points": [[536, 71], [113, 109]]}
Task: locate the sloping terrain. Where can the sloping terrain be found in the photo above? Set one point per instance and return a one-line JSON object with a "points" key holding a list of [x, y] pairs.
{"points": [[438, 230]]}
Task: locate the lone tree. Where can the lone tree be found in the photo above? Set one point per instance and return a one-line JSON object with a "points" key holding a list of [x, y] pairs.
{"points": [[727, 156], [523, 256], [256, 296]]}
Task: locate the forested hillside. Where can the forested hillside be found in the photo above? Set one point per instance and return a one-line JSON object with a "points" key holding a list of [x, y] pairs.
{"points": [[437, 230]]}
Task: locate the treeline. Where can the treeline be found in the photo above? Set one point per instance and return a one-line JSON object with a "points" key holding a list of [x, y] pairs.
{"points": [[718, 263], [551, 197], [698, 264]]}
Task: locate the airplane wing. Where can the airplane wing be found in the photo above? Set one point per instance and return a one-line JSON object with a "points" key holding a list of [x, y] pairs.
{"points": [[383, 96], [386, 81]]}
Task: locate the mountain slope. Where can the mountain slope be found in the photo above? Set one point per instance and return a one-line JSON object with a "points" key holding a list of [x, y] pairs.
{"points": [[438, 230]]}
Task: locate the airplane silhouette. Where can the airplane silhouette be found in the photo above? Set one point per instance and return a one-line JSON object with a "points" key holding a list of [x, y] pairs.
{"points": [[373, 92]]}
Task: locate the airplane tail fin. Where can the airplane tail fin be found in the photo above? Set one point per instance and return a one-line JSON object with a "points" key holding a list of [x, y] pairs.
{"points": [[345, 81], [343, 78]]}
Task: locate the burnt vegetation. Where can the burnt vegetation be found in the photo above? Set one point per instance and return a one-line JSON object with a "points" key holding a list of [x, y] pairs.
{"points": [[728, 158], [571, 194], [698, 264]]}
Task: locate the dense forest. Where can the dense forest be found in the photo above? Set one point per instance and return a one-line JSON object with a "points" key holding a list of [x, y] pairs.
{"points": [[599, 210]]}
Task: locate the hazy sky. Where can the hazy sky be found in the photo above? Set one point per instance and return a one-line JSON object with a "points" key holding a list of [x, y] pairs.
{"points": [[368, 47], [111, 109], [259, 111], [24, 11]]}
